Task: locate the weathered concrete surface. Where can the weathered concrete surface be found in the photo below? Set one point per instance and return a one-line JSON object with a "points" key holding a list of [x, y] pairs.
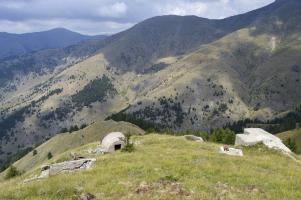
{"points": [[67, 166], [252, 136], [230, 151], [193, 138], [111, 141]]}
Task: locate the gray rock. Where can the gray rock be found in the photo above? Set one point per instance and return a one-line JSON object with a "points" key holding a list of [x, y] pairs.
{"points": [[67, 166], [193, 138], [252, 136]]}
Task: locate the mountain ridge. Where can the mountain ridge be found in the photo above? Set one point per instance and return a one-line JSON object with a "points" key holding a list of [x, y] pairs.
{"points": [[15, 44], [197, 75]]}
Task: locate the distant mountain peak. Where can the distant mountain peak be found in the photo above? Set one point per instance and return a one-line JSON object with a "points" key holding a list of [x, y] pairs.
{"points": [[14, 44], [61, 29]]}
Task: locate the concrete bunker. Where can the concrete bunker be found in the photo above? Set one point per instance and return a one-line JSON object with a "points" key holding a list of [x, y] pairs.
{"points": [[113, 142]]}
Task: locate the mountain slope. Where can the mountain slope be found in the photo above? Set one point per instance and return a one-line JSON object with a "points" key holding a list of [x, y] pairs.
{"points": [[138, 48], [45, 61], [250, 73], [168, 167], [15, 44], [178, 72]]}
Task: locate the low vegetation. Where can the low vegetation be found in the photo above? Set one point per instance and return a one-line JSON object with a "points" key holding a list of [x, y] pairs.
{"points": [[277, 125], [223, 136], [169, 167], [10, 121], [49, 155], [97, 90], [131, 118], [291, 144], [73, 128], [21, 153], [167, 111], [12, 172], [292, 139], [129, 145]]}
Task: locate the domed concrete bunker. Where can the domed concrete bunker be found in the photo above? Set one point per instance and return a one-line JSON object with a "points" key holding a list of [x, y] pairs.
{"points": [[113, 142]]}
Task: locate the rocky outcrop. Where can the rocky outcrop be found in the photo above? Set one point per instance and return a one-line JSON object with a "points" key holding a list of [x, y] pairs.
{"points": [[252, 136], [67, 166]]}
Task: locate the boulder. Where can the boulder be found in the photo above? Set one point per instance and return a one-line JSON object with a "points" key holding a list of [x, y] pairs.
{"points": [[252, 136], [193, 138]]}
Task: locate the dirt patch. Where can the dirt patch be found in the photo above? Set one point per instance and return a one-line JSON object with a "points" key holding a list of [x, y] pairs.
{"points": [[254, 189], [163, 187], [85, 196], [224, 190], [144, 188]]}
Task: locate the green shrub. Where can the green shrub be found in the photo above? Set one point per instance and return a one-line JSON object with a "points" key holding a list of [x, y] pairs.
{"points": [[35, 152], [291, 144], [12, 172], [49, 155], [204, 135], [129, 146], [224, 136]]}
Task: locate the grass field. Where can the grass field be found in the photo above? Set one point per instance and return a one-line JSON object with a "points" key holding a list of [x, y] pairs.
{"points": [[169, 167], [66, 141]]}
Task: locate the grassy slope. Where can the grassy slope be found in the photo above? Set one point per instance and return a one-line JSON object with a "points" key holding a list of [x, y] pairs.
{"points": [[197, 167], [295, 135], [63, 142]]}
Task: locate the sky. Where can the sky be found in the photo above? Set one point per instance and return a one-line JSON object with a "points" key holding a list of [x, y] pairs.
{"points": [[95, 17]]}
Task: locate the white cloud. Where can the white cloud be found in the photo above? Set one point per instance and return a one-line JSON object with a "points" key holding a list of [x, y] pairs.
{"points": [[99, 16], [184, 8], [115, 10], [12, 5]]}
